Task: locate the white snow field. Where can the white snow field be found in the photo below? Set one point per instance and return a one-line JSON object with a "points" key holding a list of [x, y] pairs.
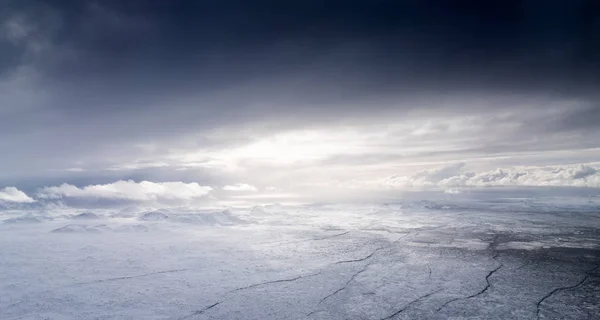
{"points": [[446, 259]]}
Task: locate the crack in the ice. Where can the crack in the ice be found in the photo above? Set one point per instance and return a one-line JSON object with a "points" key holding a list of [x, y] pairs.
{"points": [[332, 236], [248, 287], [129, 277], [275, 281], [309, 275], [364, 268], [374, 251], [447, 303], [487, 286], [346, 284], [201, 311], [399, 311], [551, 293], [361, 259], [340, 289], [487, 280]]}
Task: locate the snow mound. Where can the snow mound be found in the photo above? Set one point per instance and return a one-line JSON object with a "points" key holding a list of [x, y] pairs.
{"points": [[86, 216], [268, 210], [431, 205], [101, 228], [221, 218], [131, 228], [203, 218], [26, 219], [158, 215], [129, 212], [258, 211], [78, 228]]}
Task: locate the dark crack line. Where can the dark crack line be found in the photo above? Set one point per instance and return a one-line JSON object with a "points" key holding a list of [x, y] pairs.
{"points": [[487, 286], [361, 259], [372, 253], [354, 275], [129, 277], [551, 293], [346, 284], [275, 281], [199, 312], [340, 289], [447, 303], [332, 236], [248, 287], [306, 276], [429, 268], [411, 303]]}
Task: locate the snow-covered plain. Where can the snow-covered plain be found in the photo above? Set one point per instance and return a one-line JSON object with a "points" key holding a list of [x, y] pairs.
{"points": [[443, 259]]}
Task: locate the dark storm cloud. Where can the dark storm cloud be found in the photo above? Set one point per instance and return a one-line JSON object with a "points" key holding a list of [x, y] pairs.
{"points": [[130, 47], [88, 79], [308, 52]]}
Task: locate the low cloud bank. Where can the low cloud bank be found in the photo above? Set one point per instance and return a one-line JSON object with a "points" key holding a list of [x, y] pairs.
{"points": [[450, 178], [129, 191], [456, 176], [240, 187], [14, 195]]}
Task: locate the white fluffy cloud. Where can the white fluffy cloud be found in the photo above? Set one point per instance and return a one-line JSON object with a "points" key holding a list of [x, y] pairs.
{"points": [[12, 194], [240, 187], [580, 175], [129, 190]]}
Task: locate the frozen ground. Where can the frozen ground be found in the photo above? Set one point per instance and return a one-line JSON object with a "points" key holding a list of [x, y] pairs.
{"points": [[495, 259]]}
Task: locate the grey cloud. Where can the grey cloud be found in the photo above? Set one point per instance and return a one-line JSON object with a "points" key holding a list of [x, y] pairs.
{"points": [[14, 195], [240, 187], [548, 176], [205, 75], [577, 119], [123, 192]]}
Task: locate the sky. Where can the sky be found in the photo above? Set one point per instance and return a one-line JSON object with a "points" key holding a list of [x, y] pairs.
{"points": [[112, 102]]}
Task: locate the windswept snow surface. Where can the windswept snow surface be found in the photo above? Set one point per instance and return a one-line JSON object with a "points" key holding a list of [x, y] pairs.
{"points": [[444, 259]]}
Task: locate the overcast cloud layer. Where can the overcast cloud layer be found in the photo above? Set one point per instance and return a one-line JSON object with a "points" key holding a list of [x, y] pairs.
{"points": [[192, 100]]}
